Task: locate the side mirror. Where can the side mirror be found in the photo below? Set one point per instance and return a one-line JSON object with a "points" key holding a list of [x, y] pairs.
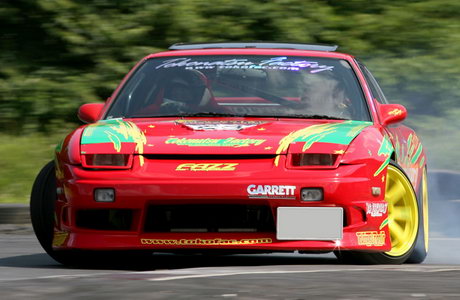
{"points": [[89, 113], [392, 113]]}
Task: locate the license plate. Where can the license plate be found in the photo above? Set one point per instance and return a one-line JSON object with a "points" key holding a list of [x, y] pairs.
{"points": [[309, 223]]}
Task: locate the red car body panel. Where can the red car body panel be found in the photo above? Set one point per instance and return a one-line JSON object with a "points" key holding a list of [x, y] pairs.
{"points": [[267, 145]]}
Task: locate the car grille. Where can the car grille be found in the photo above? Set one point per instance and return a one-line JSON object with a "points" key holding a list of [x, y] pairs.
{"points": [[209, 218], [105, 219]]}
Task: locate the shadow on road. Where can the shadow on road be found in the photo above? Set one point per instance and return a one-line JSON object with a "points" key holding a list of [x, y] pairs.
{"points": [[30, 261], [157, 261]]}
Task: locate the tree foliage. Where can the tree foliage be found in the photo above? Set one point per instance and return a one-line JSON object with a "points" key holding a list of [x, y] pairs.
{"points": [[57, 54]]}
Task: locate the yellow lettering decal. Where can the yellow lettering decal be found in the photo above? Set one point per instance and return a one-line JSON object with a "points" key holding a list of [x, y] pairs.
{"points": [[59, 238], [395, 112], [211, 242], [371, 238], [207, 167]]}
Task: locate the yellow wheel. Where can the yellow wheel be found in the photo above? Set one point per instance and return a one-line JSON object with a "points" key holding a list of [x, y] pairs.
{"points": [[402, 212], [404, 224]]}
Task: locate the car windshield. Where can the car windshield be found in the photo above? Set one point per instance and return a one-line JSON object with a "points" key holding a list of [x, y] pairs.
{"points": [[256, 85]]}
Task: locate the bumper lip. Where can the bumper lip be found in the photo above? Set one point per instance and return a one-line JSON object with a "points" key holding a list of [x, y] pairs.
{"points": [[208, 241]]}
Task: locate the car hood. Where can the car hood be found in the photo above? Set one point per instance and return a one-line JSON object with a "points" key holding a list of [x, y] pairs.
{"points": [[219, 136]]}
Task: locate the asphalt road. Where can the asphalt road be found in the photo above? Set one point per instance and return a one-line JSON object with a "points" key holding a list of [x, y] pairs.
{"points": [[27, 272]]}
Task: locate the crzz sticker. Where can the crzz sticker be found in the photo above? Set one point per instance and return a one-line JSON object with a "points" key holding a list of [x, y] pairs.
{"points": [[207, 167], [271, 191]]}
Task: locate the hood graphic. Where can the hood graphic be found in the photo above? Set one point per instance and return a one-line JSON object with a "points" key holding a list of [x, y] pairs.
{"points": [[116, 132], [336, 133], [218, 136]]}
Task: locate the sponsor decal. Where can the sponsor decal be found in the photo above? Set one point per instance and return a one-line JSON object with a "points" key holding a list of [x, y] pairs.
{"points": [[338, 133], [221, 125], [411, 156], [271, 191], [228, 142], [274, 63], [207, 167], [59, 238], [395, 112], [371, 238], [209, 242], [376, 209]]}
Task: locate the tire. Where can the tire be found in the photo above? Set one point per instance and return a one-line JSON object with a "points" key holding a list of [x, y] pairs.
{"points": [[421, 245], [42, 204], [42, 201], [42, 212], [403, 221]]}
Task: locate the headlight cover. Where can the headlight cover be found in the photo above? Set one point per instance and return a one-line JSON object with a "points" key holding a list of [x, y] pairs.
{"points": [[312, 160], [107, 161]]}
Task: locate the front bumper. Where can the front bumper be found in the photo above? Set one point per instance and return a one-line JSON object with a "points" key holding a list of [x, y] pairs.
{"points": [[159, 183]]}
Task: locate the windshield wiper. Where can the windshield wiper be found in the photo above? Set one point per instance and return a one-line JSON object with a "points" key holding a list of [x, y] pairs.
{"points": [[217, 114], [195, 114], [299, 116]]}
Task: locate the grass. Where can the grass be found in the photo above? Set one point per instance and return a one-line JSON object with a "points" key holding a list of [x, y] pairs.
{"points": [[21, 158]]}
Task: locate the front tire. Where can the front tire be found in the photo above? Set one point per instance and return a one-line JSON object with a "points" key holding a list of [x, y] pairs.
{"points": [[42, 214], [421, 246], [42, 200], [403, 222]]}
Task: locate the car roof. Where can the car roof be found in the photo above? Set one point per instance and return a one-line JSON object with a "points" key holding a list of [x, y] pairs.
{"points": [[252, 49]]}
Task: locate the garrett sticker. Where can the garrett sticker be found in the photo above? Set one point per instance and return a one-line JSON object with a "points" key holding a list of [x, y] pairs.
{"points": [[207, 167], [371, 238], [376, 209], [271, 191]]}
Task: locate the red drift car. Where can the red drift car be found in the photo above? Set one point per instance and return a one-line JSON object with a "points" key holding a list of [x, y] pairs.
{"points": [[242, 147]]}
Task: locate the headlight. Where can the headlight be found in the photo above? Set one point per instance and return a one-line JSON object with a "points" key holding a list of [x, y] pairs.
{"points": [[313, 160], [107, 161]]}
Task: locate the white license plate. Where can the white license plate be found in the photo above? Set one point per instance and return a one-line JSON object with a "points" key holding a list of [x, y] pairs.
{"points": [[309, 223]]}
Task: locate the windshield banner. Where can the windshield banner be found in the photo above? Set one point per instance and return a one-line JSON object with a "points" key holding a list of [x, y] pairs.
{"points": [[274, 63]]}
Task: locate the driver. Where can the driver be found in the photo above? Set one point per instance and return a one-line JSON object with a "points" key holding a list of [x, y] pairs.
{"points": [[184, 92], [323, 95], [177, 96]]}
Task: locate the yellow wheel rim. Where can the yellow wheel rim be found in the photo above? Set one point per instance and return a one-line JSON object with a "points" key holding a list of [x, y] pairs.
{"points": [[402, 212], [425, 209]]}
